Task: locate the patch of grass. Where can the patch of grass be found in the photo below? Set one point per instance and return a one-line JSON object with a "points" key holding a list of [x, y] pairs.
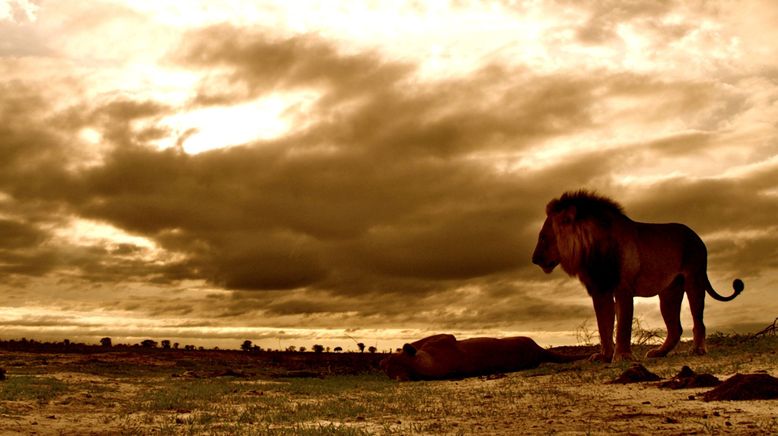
{"points": [[26, 387], [296, 404], [335, 385], [184, 394], [333, 399]]}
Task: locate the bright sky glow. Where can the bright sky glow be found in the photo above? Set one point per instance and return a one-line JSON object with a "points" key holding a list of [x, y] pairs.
{"points": [[223, 126], [83, 232]]}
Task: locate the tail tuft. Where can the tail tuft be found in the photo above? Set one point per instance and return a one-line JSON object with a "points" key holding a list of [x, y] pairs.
{"points": [[738, 286]]}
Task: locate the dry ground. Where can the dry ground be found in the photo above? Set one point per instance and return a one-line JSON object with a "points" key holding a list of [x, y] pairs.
{"points": [[233, 393]]}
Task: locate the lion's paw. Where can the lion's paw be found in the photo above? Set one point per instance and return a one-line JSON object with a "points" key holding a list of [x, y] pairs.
{"points": [[624, 357], [600, 357], [698, 351]]}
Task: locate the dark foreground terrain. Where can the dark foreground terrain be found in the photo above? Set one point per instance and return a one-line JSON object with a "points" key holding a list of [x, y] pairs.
{"points": [[232, 392]]}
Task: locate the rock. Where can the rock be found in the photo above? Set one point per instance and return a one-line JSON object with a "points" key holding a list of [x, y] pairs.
{"points": [[745, 387], [635, 374], [687, 378]]}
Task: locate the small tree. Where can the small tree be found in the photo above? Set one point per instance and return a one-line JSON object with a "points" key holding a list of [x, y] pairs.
{"points": [[175, 345], [584, 335], [318, 348], [246, 345], [166, 344], [291, 348], [148, 343], [303, 349], [372, 349], [106, 342], [644, 336], [338, 349], [361, 347]]}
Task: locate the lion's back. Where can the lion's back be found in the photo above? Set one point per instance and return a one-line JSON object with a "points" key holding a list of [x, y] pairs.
{"points": [[491, 354]]}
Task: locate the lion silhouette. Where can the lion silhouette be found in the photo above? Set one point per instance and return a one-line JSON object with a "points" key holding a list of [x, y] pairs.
{"points": [[617, 259]]}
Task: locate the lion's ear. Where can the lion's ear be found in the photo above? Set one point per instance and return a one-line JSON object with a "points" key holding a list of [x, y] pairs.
{"points": [[568, 215], [409, 350]]}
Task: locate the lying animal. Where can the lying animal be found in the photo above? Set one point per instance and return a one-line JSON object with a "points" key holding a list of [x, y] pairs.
{"points": [[444, 357]]}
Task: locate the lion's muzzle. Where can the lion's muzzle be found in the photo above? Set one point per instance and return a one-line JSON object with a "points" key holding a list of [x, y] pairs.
{"points": [[546, 265]]}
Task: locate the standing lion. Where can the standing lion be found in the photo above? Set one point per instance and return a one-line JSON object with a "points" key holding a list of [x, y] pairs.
{"points": [[617, 259]]}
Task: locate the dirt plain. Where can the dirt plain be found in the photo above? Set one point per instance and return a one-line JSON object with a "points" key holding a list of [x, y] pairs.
{"points": [[232, 392]]}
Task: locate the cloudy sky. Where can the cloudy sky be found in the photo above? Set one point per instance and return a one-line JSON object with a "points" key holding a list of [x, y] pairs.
{"points": [[300, 172]]}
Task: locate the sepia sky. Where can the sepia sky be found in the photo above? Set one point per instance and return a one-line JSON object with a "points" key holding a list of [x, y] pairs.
{"points": [[300, 172]]}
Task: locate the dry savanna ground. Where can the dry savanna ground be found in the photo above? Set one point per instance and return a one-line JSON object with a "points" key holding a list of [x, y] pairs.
{"points": [[172, 392]]}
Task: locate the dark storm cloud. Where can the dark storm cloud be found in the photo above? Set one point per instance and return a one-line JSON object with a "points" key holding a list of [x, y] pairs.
{"points": [[387, 107], [14, 234], [258, 64], [18, 249], [26, 142], [39, 192]]}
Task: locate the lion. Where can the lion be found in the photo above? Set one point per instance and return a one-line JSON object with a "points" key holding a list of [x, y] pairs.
{"points": [[444, 357], [616, 259]]}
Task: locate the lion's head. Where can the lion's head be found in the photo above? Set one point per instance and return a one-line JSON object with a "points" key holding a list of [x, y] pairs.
{"points": [[399, 365], [546, 254], [575, 232]]}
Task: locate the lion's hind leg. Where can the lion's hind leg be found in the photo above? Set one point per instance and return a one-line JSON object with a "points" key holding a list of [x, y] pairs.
{"points": [[670, 305], [696, 293]]}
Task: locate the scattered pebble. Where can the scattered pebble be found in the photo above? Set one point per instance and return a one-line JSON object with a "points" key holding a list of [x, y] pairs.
{"points": [[687, 378], [635, 374]]}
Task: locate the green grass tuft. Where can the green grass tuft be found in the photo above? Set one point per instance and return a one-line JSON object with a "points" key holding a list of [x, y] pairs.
{"points": [[27, 387]]}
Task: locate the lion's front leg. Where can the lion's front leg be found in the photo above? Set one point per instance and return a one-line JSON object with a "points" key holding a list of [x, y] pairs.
{"points": [[624, 311], [604, 309]]}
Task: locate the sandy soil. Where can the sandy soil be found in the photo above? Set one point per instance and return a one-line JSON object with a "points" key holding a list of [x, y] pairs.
{"points": [[87, 394]]}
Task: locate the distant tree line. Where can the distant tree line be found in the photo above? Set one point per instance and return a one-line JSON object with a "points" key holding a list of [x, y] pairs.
{"points": [[248, 346], [106, 344], [67, 346]]}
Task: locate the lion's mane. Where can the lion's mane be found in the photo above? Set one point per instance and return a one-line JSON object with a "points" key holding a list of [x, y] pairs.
{"points": [[586, 246]]}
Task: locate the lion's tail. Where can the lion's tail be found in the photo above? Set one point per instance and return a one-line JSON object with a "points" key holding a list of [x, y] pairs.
{"points": [[737, 285]]}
